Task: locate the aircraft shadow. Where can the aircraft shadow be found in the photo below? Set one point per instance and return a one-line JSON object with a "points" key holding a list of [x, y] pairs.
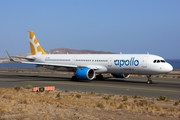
{"points": [[54, 78], [25, 78]]}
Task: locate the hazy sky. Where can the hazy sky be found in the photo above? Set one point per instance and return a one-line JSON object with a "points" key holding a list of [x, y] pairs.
{"points": [[127, 26]]}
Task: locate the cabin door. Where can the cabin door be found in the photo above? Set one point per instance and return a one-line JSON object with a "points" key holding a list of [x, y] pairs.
{"points": [[110, 62], [144, 62], [73, 61]]}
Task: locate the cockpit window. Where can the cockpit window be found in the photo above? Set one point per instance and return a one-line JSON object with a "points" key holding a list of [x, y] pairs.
{"points": [[159, 61], [163, 61]]}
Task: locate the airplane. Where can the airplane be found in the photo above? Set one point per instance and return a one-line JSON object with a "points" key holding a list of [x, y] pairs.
{"points": [[92, 66]]}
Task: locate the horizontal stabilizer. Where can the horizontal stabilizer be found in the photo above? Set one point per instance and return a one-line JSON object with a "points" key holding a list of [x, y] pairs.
{"points": [[29, 58]]}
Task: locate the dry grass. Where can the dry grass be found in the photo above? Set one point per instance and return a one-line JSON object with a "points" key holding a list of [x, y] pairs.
{"points": [[20, 103]]}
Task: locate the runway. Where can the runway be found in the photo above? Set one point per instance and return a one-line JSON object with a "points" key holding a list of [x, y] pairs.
{"points": [[169, 87]]}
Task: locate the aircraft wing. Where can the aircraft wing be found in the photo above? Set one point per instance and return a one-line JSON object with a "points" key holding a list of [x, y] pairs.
{"points": [[98, 68], [94, 67], [51, 64]]}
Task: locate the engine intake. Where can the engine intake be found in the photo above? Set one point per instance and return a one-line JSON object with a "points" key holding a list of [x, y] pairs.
{"points": [[85, 74]]}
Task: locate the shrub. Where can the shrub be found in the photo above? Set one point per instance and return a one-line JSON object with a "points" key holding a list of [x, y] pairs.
{"points": [[72, 94], [106, 97], [174, 77], [125, 98], [143, 103], [100, 94], [66, 90], [176, 103], [100, 105], [17, 88], [136, 96], [58, 95], [29, 87], [163, 98], [121, 106], [92, 93], [112, 95], [165, 76], [178, 77], [135, 101], [78, 96]]}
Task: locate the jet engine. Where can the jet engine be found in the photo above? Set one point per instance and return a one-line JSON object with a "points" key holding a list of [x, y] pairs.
{"points": [[120, 75], [85, 74]]}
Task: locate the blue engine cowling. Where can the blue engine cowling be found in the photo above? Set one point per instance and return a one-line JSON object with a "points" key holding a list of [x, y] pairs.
{"points": [[85, 74], [120, 75]]}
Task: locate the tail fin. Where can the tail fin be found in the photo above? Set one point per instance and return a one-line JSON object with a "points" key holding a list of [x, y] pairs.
{"points": [[35, 47]]}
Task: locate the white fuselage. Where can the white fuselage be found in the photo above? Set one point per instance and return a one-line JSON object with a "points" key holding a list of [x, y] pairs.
{"points": [[110, 63]]}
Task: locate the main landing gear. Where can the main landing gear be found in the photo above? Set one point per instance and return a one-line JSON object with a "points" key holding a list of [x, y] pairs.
{"points": [[99, 77], [149, 79], [74, 78]]}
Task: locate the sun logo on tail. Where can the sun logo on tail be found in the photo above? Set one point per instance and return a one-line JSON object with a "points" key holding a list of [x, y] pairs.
{"points": [[35, 47]]}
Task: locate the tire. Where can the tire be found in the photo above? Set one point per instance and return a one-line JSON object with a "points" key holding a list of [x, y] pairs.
{"points": [[99, 77], [149, 82], [41, 89], [74, 78]]}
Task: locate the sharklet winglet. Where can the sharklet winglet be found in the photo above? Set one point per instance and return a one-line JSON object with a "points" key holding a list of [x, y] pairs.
{"points": [[10, 58]]}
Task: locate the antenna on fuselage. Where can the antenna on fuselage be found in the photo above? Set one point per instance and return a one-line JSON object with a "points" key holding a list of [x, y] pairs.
{"points": [[147, 52], [120, 53]]}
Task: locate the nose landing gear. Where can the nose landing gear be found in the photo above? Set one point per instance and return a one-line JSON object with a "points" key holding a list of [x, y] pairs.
{"points": [[149, 79]]}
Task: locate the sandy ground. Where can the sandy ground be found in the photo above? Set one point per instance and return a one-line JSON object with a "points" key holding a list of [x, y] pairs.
{"points": [[22, 104]]}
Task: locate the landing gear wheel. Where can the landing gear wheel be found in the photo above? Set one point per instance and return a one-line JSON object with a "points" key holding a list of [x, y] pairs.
{"points": [[149, 79], [149, 82], [74, 78], [99, 77]]}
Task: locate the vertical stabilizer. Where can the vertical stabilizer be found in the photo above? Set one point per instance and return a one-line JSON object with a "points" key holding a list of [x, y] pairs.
{"points": [[35, 47]]}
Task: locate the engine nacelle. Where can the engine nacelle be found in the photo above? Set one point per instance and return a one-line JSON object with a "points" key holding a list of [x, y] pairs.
{"points": [[85, 74], [120, 75]]}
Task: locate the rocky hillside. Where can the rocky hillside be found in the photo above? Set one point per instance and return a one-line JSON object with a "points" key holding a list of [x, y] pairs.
{"points": [[73, 51]]}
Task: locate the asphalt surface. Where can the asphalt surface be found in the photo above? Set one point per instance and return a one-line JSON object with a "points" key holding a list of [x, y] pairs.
{"points": [[169, 87]]}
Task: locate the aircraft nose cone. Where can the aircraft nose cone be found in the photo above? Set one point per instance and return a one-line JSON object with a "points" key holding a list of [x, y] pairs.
{"points": [[169, 68]]}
